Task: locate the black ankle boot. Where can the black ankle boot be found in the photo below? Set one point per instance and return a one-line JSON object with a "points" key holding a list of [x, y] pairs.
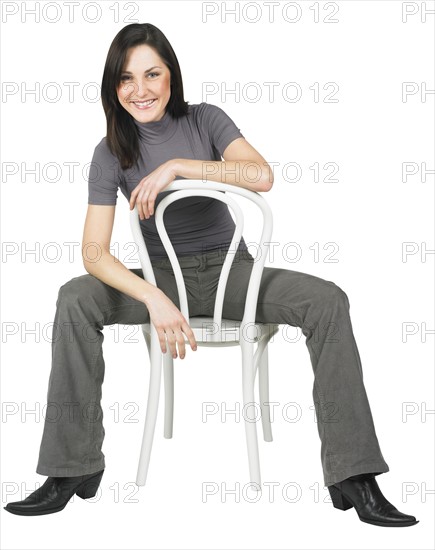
{"points": [[55, 494], [363, 493]]}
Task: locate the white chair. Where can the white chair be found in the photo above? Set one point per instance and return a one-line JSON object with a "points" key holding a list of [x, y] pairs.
{"points": [[210, 331]]}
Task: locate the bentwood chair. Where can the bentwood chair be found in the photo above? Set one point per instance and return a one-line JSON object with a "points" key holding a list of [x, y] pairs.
{"points": [[210, 331]]}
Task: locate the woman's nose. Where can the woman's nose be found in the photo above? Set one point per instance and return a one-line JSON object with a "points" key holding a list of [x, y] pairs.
{"points": [[142, 89]]}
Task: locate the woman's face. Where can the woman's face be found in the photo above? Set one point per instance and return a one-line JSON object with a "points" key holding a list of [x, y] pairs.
{"points": [[144, 77]]}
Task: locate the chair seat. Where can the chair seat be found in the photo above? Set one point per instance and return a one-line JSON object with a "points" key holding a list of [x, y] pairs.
{"points": [[203, 329]]}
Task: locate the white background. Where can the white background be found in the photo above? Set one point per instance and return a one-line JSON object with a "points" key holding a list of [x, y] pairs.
{"points": [[369, 213]]}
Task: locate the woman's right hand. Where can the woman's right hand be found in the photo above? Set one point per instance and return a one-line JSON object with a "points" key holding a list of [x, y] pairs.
{"points": [[169, 323]]}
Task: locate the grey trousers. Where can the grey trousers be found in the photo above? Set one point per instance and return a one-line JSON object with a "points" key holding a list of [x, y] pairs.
{"points": [[73, 430]]}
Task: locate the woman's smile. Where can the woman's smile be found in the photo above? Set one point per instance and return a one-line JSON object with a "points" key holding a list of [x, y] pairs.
{"points": [[144, 105]]}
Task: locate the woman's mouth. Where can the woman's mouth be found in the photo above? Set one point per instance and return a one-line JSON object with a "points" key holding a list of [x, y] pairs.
{"points": [[144, 105]]}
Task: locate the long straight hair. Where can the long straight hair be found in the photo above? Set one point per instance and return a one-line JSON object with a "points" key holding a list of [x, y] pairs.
{"points": [[122, 133]]}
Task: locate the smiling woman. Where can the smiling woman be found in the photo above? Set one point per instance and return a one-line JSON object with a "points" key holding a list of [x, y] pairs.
{"points": [[154, 137]]}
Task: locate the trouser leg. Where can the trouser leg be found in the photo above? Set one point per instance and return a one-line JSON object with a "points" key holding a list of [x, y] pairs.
{"points": [[73, 428], [349, 444]]}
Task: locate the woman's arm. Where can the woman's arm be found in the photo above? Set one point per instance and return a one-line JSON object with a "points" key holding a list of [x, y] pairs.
{"points": [[243, 166], [99, 262], [168, 320]]}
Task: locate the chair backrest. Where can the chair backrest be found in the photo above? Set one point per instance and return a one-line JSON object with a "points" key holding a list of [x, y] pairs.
{"points": [[189, 188]]}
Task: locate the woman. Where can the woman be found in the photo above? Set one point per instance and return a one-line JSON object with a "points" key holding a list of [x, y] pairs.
{"points": [[153, 138]]}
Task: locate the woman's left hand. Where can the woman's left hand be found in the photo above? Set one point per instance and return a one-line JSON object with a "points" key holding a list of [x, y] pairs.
{"points": [[145, 193]]}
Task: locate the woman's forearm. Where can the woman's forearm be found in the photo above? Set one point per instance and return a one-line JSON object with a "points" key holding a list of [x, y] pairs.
{"points": [[111, 271], [241, 173]]}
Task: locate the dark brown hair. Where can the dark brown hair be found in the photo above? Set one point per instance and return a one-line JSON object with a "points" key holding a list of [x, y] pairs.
{"points": [[122, 133]]}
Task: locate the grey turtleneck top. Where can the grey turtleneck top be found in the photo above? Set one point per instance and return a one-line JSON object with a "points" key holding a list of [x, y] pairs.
{"points": [[194, 224]]}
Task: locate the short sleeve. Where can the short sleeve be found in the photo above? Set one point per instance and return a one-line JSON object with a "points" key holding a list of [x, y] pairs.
{"points": [[221, 129], [104, 176]]}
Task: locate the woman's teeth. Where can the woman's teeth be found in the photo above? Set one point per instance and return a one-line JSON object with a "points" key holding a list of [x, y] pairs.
{"points": [[144, 104]]}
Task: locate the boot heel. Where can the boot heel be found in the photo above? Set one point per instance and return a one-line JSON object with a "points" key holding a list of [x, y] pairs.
{"points": [[89, 488], [338, 499]]}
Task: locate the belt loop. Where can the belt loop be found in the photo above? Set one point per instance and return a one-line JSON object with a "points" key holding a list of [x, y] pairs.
{"points": [[202, 262]]}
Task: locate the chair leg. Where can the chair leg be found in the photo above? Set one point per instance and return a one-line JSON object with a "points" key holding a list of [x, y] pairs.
{"points": [[263, 382], [168, 375], [248, 380], [261, 360], [152, 408]]}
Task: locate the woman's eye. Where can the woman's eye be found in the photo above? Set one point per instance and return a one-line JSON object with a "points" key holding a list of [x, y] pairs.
{"points": [[127, 77]]}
